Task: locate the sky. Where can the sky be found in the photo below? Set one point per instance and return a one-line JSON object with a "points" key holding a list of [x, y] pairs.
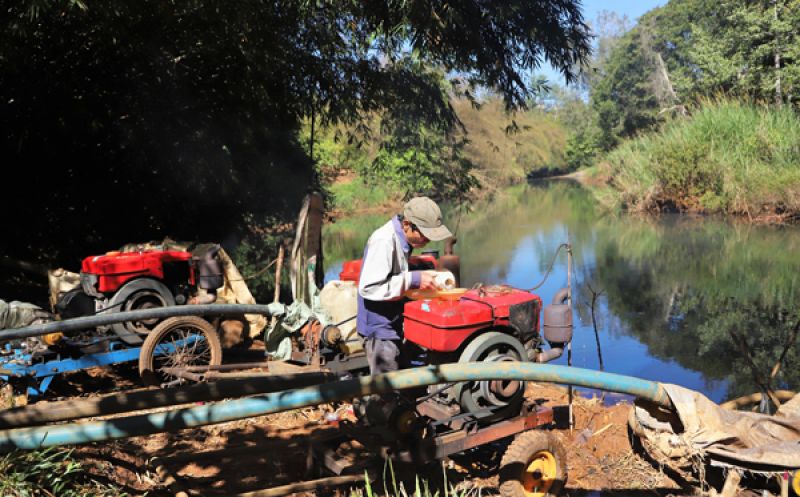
{"points": [[591, 8]]}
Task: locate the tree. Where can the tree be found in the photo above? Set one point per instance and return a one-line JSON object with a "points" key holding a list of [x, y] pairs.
{"points": [[129, 121]]}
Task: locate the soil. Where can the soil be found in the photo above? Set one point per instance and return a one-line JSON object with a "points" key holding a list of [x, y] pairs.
{"points": [[263, 452]]}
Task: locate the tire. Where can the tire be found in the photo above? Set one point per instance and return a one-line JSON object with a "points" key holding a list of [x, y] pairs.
{"points": [[151, 359], [478, 396], [534, 465]]}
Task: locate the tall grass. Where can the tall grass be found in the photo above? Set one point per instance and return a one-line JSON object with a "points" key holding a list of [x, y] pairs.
{"points": [[49, 472], [728, 157]]}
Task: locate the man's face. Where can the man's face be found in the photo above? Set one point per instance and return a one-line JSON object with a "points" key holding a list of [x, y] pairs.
{"points": [[414, 236]]}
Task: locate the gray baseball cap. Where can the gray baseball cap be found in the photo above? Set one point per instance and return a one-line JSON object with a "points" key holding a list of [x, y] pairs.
{"points": [[427, 216]]}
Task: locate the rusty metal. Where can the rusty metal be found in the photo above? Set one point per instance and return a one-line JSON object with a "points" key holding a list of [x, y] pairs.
{"points": [[462, 440]]}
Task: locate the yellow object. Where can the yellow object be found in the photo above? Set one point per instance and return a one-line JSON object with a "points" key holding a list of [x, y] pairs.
{"points": [[540, 474], [52, 338], [417, 294], [796, 482], [430, 294], [453, 294]]}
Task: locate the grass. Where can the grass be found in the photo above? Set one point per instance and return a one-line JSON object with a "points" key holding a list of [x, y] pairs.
{"points": [[49, 472], [729, 157], [393, 488]]}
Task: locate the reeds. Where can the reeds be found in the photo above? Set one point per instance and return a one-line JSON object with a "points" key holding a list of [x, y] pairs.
{"points": [[729, 156]]}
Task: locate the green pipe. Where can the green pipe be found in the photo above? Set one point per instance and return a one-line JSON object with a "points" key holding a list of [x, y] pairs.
{"points": [[145, 424], [88, 322]]}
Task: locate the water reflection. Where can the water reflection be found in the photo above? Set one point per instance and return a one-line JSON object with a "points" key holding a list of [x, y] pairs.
{"points": [[674, 290]]}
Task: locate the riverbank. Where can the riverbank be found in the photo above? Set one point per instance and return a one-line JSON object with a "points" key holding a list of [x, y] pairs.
{"points": [[729, 157]]}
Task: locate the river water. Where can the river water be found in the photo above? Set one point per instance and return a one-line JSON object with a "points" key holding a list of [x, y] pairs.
{"points": [[699, 302]]}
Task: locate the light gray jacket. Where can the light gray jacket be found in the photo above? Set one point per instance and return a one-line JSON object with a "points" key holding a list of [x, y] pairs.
{"points": [[384, 270]]}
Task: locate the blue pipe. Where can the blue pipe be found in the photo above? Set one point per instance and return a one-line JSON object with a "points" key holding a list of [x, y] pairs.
{"points": [[145, 424]]}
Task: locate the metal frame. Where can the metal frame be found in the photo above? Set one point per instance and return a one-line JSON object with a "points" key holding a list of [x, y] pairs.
{"points": [[38, 372], [459, 434], [21, 365]]}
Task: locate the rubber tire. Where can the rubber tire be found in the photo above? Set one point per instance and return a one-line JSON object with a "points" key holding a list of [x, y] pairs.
{"points": [[150, 377], [518, 457]]}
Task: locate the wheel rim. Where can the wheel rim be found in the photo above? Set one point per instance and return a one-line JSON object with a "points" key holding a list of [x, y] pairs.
{"points": [[539, 475], [182, 346]]}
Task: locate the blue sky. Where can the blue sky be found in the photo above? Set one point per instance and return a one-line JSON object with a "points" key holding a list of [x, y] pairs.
{"points": [[591, 8]]}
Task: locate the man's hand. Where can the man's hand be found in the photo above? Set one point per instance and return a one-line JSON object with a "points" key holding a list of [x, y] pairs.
{"points": [[426, 281]]}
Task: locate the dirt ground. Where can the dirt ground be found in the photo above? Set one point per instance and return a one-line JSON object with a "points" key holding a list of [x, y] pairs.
{"points": [[249, 455]]}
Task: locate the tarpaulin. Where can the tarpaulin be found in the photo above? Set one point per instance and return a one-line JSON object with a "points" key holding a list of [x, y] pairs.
{"points": [[700, 429]]}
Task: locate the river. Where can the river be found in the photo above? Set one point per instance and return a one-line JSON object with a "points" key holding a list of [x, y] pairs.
{"points": [[700, 302]]}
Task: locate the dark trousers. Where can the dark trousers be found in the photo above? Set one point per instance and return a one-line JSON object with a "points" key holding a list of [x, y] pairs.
{"points": [[383, 355]]}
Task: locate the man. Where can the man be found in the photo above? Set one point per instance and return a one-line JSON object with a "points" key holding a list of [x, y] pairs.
{"points": [[385, 277]]}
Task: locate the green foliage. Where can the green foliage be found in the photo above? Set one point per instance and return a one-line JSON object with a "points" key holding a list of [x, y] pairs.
{"points": [[736, 50], [253, 258], [354, 195], [149, 119], [418, 161], [690, 49], [507, 147], [579, 118], [623, 99], [49, 472], [729, 157]]}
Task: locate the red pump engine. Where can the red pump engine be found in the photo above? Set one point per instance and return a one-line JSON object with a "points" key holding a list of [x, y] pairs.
{"points": [[126, 281], [443, 326], [487, 324], [107, 273]]}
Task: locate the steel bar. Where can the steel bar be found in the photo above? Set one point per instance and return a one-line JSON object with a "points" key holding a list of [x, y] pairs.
{"points": [[182, 418], [47, 412], [88, 322]]}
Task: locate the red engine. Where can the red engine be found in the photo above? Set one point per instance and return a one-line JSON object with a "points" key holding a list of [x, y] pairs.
{"points": [[126, 281], [444, 326], [489, 324], [107, 273]]}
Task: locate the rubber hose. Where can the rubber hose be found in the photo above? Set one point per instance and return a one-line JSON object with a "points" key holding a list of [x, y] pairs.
{"points": [[182, 418], [88, 322]]}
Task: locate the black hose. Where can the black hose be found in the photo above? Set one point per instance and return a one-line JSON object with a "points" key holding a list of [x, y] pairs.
{"points": [[88, 322]]}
